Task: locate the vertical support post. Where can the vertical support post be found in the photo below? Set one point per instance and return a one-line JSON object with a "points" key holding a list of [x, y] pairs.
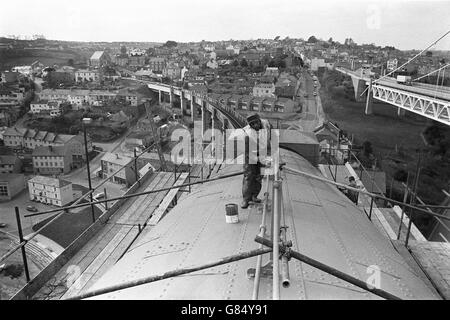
{"points": [[372, 177], [405, 198], [213, 136], [205, 118], [106, 197], [203, 161], [409, 229], [189, 178], [335, 172], [192, 107], [224, 145], [412, 201], [369, 109], [182, 106], [139, 228], [159, 96], [88, 173], [174, 173], [136, 176], [24, 255], [371, 206], [390, 189]]}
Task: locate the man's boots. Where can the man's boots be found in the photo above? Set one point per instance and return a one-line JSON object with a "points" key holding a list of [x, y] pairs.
{"points": [[244, 204], [256, 200]]}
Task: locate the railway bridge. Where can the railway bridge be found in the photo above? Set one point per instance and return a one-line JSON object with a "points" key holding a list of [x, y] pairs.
{"points": [[426, 100]]}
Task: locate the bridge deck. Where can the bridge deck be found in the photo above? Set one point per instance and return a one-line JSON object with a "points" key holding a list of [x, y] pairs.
{"points": [[437, 92]]}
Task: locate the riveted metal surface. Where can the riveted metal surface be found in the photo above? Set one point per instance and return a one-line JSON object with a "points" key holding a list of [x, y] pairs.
{"points": [[322, 223], [297, 277]]}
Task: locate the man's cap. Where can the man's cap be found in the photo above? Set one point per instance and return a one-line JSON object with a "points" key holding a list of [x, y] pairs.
{"points": [[253, 117]]}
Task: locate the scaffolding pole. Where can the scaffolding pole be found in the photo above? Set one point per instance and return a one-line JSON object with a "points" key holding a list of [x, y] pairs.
{"points": [[170, 274], [321, 266], [262, 233], [366, 193]]}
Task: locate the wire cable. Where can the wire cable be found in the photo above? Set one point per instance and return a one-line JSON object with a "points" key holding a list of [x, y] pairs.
{"points": [[413, 58]]}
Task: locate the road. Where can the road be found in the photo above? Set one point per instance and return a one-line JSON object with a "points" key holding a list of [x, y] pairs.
{"points": [[312, 113]]}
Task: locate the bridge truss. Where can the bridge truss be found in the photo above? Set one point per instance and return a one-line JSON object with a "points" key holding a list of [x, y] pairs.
{"points": [[429, 107]]}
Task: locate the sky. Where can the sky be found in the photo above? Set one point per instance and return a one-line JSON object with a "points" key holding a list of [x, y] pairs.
{"points": [[405, 24]]}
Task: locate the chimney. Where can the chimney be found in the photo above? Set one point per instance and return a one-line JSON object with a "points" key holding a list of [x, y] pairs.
{"points": [[117, 155]]}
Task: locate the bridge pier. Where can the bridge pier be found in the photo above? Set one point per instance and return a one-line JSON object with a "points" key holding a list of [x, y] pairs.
{"points": [[159, 96], [213, 136], [171, 98], [359, 86], [206, 118], [182, 105], [401, 112], [192, 108], [369, 107], [224, 135]]}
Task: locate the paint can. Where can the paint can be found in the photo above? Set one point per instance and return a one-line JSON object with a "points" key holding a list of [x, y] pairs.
{"points": [[231, 210]]}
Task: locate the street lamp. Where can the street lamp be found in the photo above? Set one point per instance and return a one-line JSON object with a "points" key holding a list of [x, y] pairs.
{"points": [[87, 121]]}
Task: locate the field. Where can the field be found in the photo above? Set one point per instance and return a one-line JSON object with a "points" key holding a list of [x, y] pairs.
{"points": [[46, 57], [68, 226]]}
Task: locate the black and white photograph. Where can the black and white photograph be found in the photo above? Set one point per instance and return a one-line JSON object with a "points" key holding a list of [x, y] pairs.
{"points": [[220, 155]]}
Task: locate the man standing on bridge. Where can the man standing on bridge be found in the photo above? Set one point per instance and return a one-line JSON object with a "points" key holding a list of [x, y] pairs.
{"points": [[251, 184]]}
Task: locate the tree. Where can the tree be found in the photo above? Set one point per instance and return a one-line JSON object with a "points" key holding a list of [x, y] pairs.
{"points": [[429, 54], [438, 139], [281, 64], [123, 51], [244, 63], [400, 175], [367, 148], [312, 39], [170, 44], [70, 62], [265, 60], [330, 40], [235, 63]]}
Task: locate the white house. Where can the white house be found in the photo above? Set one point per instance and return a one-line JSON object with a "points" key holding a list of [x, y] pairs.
{"points": [[264, 90], [53, 107], [87, 75], [110, 163], [317, 63], [26, 70], [391, 64], [48, 190]]}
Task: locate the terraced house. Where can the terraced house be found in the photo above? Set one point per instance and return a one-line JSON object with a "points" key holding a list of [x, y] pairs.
{"points": [[80, 97], [87, 75], [19, 138], [51, 160], [10, 164]]}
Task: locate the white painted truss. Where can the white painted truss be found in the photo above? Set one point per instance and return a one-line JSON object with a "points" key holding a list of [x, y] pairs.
{"points": [[426, 106]]}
